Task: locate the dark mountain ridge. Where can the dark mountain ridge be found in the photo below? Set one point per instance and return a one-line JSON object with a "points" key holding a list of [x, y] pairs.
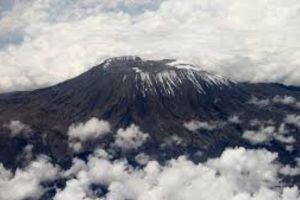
{"points": [[158, 96]]}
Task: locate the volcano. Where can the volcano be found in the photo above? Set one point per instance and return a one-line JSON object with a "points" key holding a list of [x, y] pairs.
{"points": [[171, 101]]}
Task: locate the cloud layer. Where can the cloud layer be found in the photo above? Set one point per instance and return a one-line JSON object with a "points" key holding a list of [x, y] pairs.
{"points": [[26, 183], [47, 41], [130, 138], [16, 127], [91, 129], [237, 174]]}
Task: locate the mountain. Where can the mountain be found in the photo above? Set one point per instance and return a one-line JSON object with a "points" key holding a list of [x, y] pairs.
{"points": [[183, 109]]}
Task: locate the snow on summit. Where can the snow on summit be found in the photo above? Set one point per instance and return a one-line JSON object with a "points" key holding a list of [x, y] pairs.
{"points": [[164, 76]]}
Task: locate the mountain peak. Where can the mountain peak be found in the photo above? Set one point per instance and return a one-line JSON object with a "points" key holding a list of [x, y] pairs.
{"points": [[167, 77], [121, 60], [132, 61]]}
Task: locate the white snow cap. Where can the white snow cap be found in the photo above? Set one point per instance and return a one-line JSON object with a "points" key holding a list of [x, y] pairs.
{"points": [[175, 75], [166, 76]]}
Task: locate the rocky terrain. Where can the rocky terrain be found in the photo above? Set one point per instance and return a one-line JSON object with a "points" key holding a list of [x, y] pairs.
{"points": [[166, 108]]}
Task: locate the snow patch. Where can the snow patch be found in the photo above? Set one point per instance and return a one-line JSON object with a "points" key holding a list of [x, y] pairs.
{"points": [[179, 64], [109, 61], [137, 70]]}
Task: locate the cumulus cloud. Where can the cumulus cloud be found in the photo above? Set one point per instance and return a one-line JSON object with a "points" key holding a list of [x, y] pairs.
{"points": [[173, 140], [199, 125], [260, 136], [237, 174], [256, 122], [130, 138], [291, 171], [26, 183], [47, 41], [260, 102], [142, 158], [293, 119], [286, 100], [234, 119], [268, 133], [16, 127], [92, 129]]}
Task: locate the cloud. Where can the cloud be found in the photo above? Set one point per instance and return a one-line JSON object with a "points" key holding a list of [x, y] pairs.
{"points": [[26, 183], [173, 140], [256, 122], [198, 125], [234, 119], [91, 129], [260, 136], [142, 158], [130, 138], [269, 133], [291, 171], [237, 174], [51, 40], [293, 119], [16, 127], [74, 190], [260, 102], [286, 100], [263, 175]]}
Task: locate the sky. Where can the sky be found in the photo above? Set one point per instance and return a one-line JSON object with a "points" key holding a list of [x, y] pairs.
{"points": [[43, 42]]}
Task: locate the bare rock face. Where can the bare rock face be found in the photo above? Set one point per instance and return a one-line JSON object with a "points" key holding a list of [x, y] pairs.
{"points": [[160, 97]]}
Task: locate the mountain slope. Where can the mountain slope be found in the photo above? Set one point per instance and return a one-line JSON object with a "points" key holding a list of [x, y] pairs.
{"points": [[158, 96]]}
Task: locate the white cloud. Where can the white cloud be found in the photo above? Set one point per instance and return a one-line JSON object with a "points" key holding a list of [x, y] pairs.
{"points": [[234, 119], [199, 125], [237, 174], [260, 136], [74, 190], [256, 122], [293, 119], [25, 183], [173, 140], [238, 165], [130, 138], [16, 127], [260, 102], [239, 39], [268, 133], [142, 158], [287, 100], [291, 171], [284, 100], [282, 135], [92, 129]]}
